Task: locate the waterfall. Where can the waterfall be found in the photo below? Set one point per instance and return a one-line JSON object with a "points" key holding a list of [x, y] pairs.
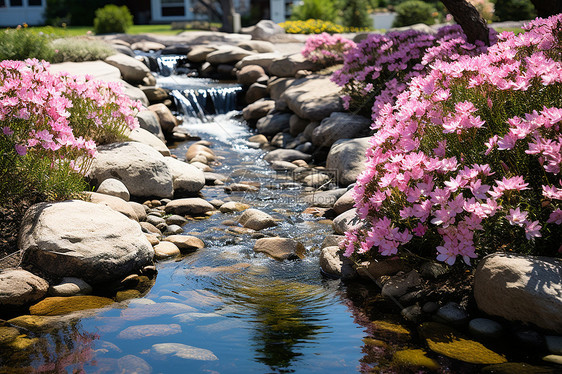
{"points": [[197, 102], [167, 64]]}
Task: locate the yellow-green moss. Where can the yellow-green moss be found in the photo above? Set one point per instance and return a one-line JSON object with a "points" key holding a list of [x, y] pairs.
{"points": [[23, 342], [414, 358], [8, 334], [126, 295], [54, 306], [391, 328], [375, 342], [446, 341]]}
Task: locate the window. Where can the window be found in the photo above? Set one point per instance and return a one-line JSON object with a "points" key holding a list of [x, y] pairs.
{"points": [[2, 3], [173, 8], [35, 2], [16, 3]]}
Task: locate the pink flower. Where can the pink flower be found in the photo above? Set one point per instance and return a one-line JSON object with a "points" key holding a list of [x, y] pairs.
{"points": [[516, 217], [532, 230], [7, 131], [21, 149]]}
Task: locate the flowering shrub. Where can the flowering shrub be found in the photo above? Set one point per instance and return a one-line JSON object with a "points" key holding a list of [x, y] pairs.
{"points": [[377, 70], [316, 26], [469, 156], [327, 49], [50, 125]]}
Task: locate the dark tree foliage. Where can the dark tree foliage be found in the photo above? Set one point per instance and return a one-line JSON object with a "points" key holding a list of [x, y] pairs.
{"points": [[547, 8], [355, 13]]}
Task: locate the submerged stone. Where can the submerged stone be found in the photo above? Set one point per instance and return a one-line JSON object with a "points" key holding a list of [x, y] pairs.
{"points": [[414, 358], [143, 331], [448, 342], [133, 365], [184, 351], [54, 306]]}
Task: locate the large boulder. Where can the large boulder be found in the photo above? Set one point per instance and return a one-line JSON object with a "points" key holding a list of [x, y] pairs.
{"points": [[187, 179], [265, 30], [273, 123], [346, 221], [277, 86], [521, 288], [199, 53], [288, 66], [250, 74], [347, 158], [259, 46], [228, 54], [313, 98], [84, 240], [146, 137], [340, 126], [262, 59], [132, 70], [19, 287], [258, 109], [148, 120], [140, 167], [167, 120]]}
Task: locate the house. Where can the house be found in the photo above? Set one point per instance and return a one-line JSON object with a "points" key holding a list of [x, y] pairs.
{"points": [[17, 12]]}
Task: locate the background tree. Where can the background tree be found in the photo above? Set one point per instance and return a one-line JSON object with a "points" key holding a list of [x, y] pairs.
{"points": [[355, 13], [314, 9], [546, 8], [514, 10]]}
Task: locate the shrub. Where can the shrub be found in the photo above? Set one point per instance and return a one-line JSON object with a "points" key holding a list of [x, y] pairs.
{"points": [[468, 159], [514, 10], [316, 26], [326, 49], [319, 9], [21, 43], [50, 125], [414, 11], [80, 49], [112, 18], [72, 12], [355, 14]]}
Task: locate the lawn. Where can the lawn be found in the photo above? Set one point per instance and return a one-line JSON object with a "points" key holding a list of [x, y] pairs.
{"points": [[83, 30]]}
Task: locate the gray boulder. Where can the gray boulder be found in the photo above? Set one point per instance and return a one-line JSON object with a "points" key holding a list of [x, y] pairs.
{"points": [[313, 98], [346, 221], [258, 109], [114, 187], [273, 123], [340, 126], [288, 66], [259, 46], [132, 70], [227, 54], [83, 240], [265, 29], [347, 158], [148, 120], [145, 137], [262, 59]]}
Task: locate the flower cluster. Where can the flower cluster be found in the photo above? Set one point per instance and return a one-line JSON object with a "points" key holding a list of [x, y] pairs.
{"points": [[52, 122], [317, 26], [378, 69], [468, 158], [327, 49]]}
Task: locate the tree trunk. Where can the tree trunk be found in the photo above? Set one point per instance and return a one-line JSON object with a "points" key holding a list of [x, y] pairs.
{"points": [[227, 15], [547, 8], [466, 15]]}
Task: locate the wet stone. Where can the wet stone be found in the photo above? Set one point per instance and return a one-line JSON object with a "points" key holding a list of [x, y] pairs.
{"points": [[184, 351], [485, 328], [414, 358], [173, 230], [70, 286], [176, 220], [133, 365], [144, 331], [53, 306], [452, 313]]}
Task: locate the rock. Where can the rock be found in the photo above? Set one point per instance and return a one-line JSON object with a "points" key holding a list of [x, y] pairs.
{"points": [[227, 54], [256, 91], [176, 220], [345, 202], [155, 220], [187, 179], [277, 86], [297, 125], [148, 120], [150, 228], [233, 206], [485, 328], [198, 149], [398, 285], [340, 126], [114, 187], [201, 166], [262, 59], [258, 109], [316, 180], [55, 306], [433, 270], [287, 155], [554, 344], [165, 117], [131, 364], [330, 261], [507, 285], [281, 140], [452, 313], [8, 334], [215, 179], [226, 72], [19, 287], [280, 248], [265, 30], [288, 66], [347, 157], [256, 219], [199, 53], [332, 240], [165, 250], [430, 307], [155, 94], [184, 351], [83, 240], [414, 358], [173, 229], [259, 138], [376, 269], [258, 46], [132, 70], [241, 187], [193, 206], [283, 166], [70, 286], [250, 74], [185, 242], [147, 46], [145, 137], [555, 359], [146, 331], [112, 202], [324, 199], [346, 221], [140, 167], [313, 98], [309, 129], [445, 341], [126, 50]]}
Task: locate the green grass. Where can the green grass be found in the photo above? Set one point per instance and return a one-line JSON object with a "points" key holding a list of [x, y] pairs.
{"points": [[515, 30], [83, 30]]}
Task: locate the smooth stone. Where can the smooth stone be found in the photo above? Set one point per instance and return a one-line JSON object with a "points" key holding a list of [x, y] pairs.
{"points": [[185, 242], [132, 70], [280, 248], [113, 202], [340, 125], [433, 270], [19, 287], [555, 359], [430, 307], [273, 123], [149, 121], [165, 117], [241, 187], [149, 228], [554, 344], [143, 136], [288, 66], [165, 249], [316, 180], [184, 351], [199, 53], [250, 74], [114, 187], [187, 179], [173, 230], [261, 59], [347, 157], [324, 199], [155, 94], [233, 206], [133, 365], [332, 240], [192, 206], [486, 328], [70, 286], [200, 150], [283, 166], [142, 309], [54, 306], [226, 54], [259, 46], [138, 209], [175, 219], [145, 331], [452, 313], [313, 98], [155, 220], [126, 295], [287, 155], [345, 202], [398, 285], [330, 261], [412, 313], [256, 110], [346, 221], [256, 219], [375, 269]]}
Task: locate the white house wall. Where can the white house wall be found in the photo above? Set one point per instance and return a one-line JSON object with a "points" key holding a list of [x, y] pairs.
{"points": [[13, 16]]}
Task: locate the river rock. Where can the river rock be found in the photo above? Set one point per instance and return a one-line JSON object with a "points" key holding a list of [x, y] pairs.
{"points": [[446, 341], [70, 286], [233, 206], [19, 287], [145, 331], [185, 242], [283, 166], [330, 261], [175, 219], [287, 155], [155, 94], [345, 202], [398, 285], [125, 49], [256, 91], [150, 228], [184, 351], [140, 167], [508, 286], [146, 137], [114, 187], [262, 59], [155, 220], [414, 358], [187, 179], [347, 157], [258, 109], [55, 306], [277, 86], [288, 66], [280, 248], [256, 219], [172, 230], [375, 269], [165, 249], [83, 240], [324, 199], [259, 46], [340, 126], [132, 70], [346, 221], [297, 125], [112, 202], [250, 74], [332, 241], [148, 120], [452, 313], [131, 364], [193, 206], [485, 328], [139, 210], [165, 117], [316, 180], [199, 150], [199, 53], [227, 54], [313, 98], [147, 46]]}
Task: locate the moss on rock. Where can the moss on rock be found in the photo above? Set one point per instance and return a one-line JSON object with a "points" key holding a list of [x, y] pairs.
{"points": [[414, 358], [54, 306]]}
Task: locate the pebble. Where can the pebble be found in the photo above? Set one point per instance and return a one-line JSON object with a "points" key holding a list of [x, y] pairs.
{"points": [[430, 307], [216, 203], [154, 220], [176, 220], [412, 312], [485, 328], [452, 313], [173, 229]]}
